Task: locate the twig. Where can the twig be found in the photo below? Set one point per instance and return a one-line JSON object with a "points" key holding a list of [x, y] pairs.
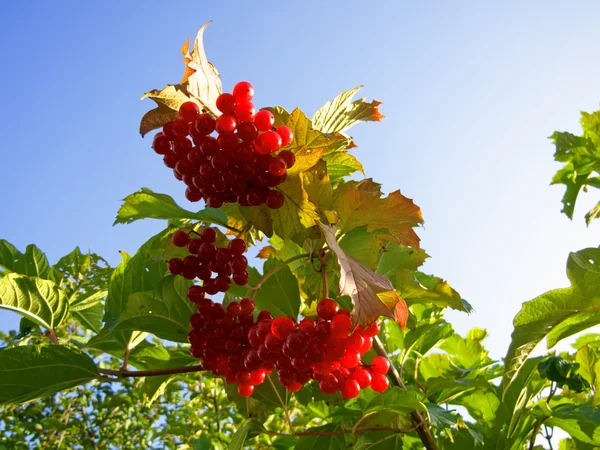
{"points": [[323, 261], [336, 433], [52, 336], [125, 365], [275, 269], [419, 422], [67, 415], [148, 373], [536, 429], [283, 404]]}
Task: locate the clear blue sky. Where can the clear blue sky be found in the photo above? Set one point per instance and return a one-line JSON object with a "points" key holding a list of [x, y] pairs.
{"points": [[470, 93]]}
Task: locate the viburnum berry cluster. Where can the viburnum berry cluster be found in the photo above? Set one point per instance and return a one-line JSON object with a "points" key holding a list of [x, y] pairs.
{"points": [[206, 259], [243, 163], [232, 344]]}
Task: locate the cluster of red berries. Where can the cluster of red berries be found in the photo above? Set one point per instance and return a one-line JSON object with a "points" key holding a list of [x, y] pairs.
{"points": [[326, 350], [241, 164], [219, 337], [231, 344], [206, 258]]}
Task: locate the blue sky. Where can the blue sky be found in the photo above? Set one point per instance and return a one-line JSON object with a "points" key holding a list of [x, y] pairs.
{"points": [[470, 93]]}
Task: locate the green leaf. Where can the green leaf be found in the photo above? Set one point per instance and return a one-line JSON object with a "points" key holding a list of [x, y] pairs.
{"points": [[141, 273], [35, 371], [365, 247], [31, 263], [583, 269], [280, 293], [581, 155], [342, 112], [481, 405], [90, 318], [588, 358], [146, 204], [397, 400], [245, 431], [440, 417], [556, 314], [164, 312], [580, 421], [340, 165], [424, 338], [159, 357], [41, 301], [417, 287], [395, 258], [322, 442]]}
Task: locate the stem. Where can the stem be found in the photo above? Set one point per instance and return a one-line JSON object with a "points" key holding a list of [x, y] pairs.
{"points": [[548, 435], [149, 373], [52, 336], [126, 354], [417, 419], [275, 269], [323, 261], [285, 409], [62, 435], [335, 433], [536, 429]]}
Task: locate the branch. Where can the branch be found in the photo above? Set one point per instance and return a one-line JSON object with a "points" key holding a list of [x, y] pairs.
{"points": [[323, 261], [336, 433], [417, 419], [275, 269], [50, 334], [149, 373]]}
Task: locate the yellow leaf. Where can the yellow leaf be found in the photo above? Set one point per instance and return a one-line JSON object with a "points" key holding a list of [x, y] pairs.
{"points": [[372, 294], [305, 135], [360, 203], [341, 113], [318, 187], [297, 213], [201, 79], [201, 83]]}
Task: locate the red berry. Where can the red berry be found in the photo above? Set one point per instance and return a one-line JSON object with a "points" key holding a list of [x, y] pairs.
{"points": [[207, 252], [243, 91], [226, 103], [282, 327], [168, 130], [170, 160], [194, 245], [247, 131], [297, 342], [270, 142], [237, 246], [234, 309], [195, 293], [372, 330], [363, 377], [161, 145], [220, 161], [244, 111], [379, 382], [329, 384], [245, 389], [286, 135], [226, 123], [350, 389], [247, 305], [223, 255], [258, 376], [307, 324], [327, 308], [241, 278], [366, 346], [176, 266], [209, 235], [264, 120], [205, 124], [222, 284], [380, 365], [355, 342], [293, 386], [189, 111], [181, 128], [340, 326], [288, 157], [274, 200], [180, 238], [350, 360], [277, 166], [264, 315], [239, 263]]}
